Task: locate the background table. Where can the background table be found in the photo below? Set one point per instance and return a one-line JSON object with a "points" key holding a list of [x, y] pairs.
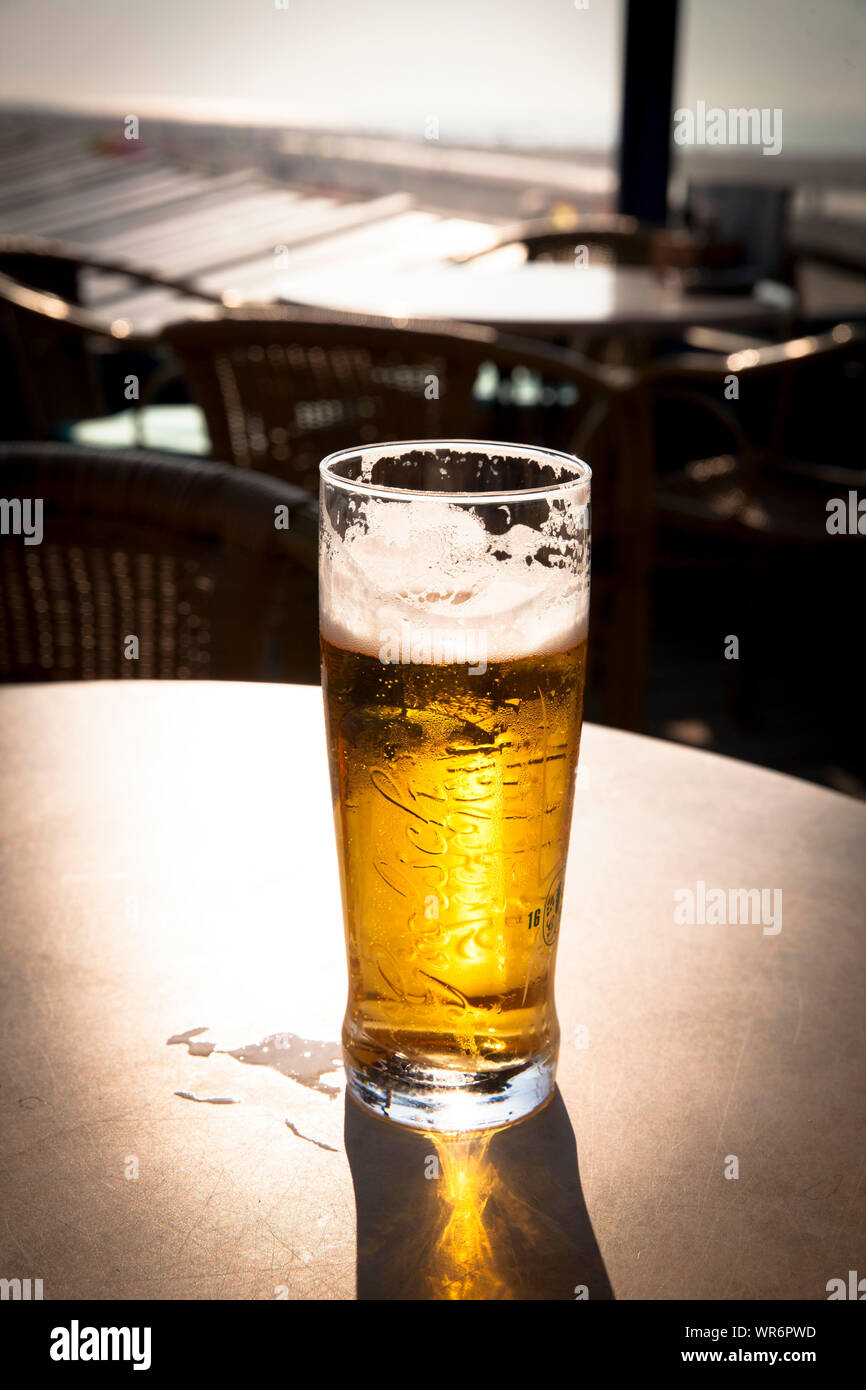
{"points": [[544, 299], [167, 865]]}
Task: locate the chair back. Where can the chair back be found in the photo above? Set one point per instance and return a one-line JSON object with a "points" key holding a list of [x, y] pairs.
{"points": [[153, 567], [796, 404], [282, 388], [52, 350], [607, 240]]}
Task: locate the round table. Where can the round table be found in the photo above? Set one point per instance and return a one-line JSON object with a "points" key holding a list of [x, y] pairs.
{"points": [[174, 982], [542, 299]]}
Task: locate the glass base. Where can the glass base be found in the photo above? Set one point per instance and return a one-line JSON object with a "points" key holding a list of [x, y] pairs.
{"points": [[440, 1099]]}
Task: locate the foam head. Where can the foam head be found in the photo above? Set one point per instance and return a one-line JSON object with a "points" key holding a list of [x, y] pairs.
{"points": [[513, 566]]}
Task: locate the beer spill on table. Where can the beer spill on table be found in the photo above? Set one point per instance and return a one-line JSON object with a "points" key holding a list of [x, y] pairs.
{"points": [[453, 790]]}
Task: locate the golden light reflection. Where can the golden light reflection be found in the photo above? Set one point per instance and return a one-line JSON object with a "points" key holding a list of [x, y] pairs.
{"points": [[479, 1225], [749, 357], [800, 347], [463, 1264], [54, 308]]}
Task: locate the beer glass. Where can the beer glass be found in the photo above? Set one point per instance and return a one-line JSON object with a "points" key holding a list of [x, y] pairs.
{"points": [[454, 596]]}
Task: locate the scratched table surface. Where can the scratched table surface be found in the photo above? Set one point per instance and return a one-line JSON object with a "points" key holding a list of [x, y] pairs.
{"points": [[173, 981]]}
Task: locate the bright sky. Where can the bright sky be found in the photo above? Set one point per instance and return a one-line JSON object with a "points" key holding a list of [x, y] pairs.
{"points": [[517, 70]]}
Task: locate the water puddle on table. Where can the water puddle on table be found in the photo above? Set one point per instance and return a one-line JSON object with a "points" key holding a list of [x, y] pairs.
{"points": [[303, 1060]]}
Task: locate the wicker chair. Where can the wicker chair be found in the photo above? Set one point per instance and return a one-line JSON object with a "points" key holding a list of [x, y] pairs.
{"points": [[612, 240], [184, 556], [56, 267], [50, 346], [49, 356], [778, 452], [281, 388], [747, 513]]}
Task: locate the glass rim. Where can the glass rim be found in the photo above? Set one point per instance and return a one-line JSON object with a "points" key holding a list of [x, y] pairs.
{"points": [[499, 446]]}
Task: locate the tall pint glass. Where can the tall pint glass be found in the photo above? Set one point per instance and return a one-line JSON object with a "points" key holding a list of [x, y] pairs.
{"points": [[454, 596]]}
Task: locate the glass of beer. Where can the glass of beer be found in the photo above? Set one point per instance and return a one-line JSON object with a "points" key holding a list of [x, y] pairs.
{"points": [[454, 598]]}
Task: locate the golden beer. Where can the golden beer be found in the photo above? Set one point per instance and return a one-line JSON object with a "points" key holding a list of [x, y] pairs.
{"points": [[453, 800], [452, 778]]}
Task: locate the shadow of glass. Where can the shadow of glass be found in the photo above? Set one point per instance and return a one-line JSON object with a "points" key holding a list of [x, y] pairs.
{"points": [[492, 1215]]}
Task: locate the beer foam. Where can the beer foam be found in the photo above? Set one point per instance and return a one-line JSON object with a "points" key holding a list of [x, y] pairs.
{"points": [[434, 567]]}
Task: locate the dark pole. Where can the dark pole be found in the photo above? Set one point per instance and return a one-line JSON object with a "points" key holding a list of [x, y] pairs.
{"points": [[647, 109]]}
